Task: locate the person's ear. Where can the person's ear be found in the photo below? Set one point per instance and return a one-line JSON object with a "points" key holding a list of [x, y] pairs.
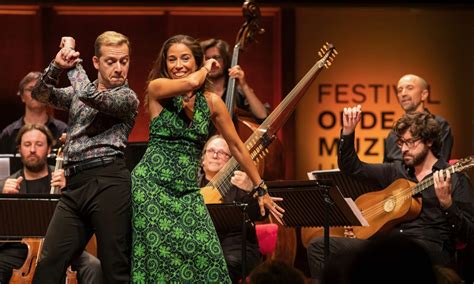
{"points": [[96, 60], [424, 95]]}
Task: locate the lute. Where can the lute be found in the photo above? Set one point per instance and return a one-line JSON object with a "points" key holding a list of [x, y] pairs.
{"points": [[386, 208], [263, 136]]}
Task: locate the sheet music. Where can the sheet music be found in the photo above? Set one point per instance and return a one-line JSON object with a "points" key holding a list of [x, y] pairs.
{"points": [[356, 211]]}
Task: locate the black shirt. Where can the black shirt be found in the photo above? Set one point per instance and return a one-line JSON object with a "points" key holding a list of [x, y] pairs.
{"points": [[433, 223]]}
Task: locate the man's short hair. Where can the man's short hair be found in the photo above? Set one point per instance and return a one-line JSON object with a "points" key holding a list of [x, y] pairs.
{"points": [[34, 75], [422, 125], [42, 128], [110, 38]]}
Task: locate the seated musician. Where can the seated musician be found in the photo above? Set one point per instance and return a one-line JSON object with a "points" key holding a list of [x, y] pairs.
{"points": [[34, 143], [447, 212], [215, 155], [246, 97]]}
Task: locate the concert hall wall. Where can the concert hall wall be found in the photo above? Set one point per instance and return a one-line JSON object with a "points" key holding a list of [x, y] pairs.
{"points": [[34, 33], [376, 47]]}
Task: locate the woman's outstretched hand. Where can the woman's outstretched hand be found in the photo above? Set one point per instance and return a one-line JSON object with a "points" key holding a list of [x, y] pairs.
{"points": [[266, 201]]}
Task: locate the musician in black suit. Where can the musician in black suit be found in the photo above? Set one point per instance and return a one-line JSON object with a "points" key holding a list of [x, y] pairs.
{"points": [[447, 212], [34, 142]]}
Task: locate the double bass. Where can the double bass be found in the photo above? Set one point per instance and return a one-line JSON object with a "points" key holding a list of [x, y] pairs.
{"points": [[271, 167]]}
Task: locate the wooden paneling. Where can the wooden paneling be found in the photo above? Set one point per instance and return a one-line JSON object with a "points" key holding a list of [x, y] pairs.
{"points": [[20, 53], [34, 43]]}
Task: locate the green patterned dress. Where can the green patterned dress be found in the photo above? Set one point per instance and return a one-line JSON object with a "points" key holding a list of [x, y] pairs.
{"points": [[174, 239]]}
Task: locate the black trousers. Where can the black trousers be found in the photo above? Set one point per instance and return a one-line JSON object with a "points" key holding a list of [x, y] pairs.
{"points": [[13, 256], [96, 201], [232, 249]]}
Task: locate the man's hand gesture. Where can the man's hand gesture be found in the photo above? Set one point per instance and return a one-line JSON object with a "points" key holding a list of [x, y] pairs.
{"points": [[350, 119], [67, 56]]}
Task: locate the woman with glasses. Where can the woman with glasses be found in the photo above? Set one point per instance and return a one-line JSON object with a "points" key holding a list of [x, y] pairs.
{"points": [[174, 239], [215, 155]]}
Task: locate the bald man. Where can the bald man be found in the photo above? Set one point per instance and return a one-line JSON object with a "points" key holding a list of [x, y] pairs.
{"points": [[412, 92]]}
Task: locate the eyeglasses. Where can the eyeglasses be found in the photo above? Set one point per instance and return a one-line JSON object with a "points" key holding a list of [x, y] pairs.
{"points": [[220, 154], [409, 142]]}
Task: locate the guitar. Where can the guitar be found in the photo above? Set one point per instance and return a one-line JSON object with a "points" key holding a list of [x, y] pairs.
{"points": [[385, 208], [263, 136]]}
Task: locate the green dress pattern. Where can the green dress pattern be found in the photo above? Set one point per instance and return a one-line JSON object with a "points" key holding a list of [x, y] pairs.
{"points": [[173, 239]]}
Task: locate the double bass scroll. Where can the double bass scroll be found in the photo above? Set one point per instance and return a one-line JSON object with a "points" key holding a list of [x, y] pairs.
{"points": [[245, 36]]}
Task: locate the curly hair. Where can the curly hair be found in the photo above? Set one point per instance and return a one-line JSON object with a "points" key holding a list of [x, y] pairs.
{"points": [[422, 125]]}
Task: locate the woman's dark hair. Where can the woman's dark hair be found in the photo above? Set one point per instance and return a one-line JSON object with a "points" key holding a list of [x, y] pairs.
{"points": [[160, 70]]}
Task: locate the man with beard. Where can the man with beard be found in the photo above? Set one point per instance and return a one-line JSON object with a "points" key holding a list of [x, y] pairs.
{"points": [[447, 213], [246, 98], [412, 92], [34, 142], [35, 113]]}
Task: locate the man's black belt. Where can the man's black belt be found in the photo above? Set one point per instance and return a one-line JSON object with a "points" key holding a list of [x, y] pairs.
{"points": [[73, 169]]}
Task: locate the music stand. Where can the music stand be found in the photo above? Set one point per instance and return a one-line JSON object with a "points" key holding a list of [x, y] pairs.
{"points": [[229, 217], [311, 203], [26, 215], [348, 186]]}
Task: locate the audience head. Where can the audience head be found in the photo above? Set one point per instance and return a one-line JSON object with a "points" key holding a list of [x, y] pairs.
{"points": [[391, 259], [418, 132], [275, 272], [219, 50], [34, 144], [412, 91]]}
